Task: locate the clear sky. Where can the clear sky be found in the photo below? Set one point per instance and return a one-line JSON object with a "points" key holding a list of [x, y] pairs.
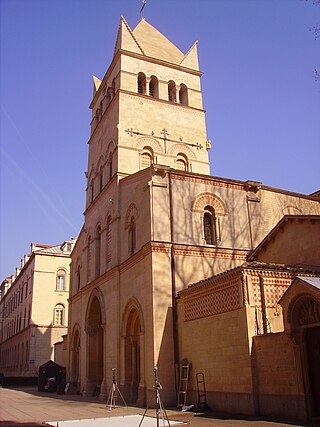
{"points": [[259, 91]]}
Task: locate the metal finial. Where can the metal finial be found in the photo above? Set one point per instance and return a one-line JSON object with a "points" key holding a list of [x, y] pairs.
{"points": [[142, 8]]}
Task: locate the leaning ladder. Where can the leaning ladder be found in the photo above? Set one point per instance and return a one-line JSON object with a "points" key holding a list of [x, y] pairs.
{"points": [[183, 383], [202, 395]]}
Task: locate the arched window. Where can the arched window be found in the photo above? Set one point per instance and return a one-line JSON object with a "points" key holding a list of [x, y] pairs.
{"points": [[92, 189], [113, 87], [142, 84], [146, 157], [78, 277], [154, 87], [182, 162], [183, 94], [209, 226], [100, 178], [58, 318], [88, 258], [132, 236], [98, 252], [172, 93], [110, 166], [108, 241], [61, 280], [109, 95]]}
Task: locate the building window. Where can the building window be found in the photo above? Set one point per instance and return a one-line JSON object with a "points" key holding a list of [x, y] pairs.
{"points": [[209, 226], [183, 94], [88, 258], [108, 241], [172, 93], [78, 277], [154, 87], [101, 178], [97, 252], [182, 162], [58, 315], [61, 281], [132, 236], [92, 189], [146, 157], [110, 166], [142, 84]]}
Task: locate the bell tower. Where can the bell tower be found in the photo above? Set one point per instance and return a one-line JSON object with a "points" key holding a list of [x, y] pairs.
{"points": [[146, 109]]}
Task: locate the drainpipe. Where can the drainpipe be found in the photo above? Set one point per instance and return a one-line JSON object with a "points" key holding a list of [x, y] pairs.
{"points": [[173, 291], [263, 304]]}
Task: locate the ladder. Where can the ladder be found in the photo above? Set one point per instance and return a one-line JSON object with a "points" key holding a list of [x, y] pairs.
{"points": [[202, 395], [183, 383]]}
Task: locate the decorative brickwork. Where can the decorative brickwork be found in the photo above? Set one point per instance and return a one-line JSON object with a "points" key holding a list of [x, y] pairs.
{"points": [[274, 288], [210, 254], [221, 299], [209, 199], [212, 182], [180, 148], [149, 142]]}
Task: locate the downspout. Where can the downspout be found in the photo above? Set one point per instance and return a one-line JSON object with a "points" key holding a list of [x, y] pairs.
{"points": [[263, 304], [173, 292]]}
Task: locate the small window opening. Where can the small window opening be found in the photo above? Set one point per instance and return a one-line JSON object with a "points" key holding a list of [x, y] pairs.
{"points": [[183, 94], [172, 94], [141, 84], [154, 87]]}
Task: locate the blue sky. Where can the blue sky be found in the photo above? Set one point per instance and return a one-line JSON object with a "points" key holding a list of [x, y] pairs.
{"points": [[259, 91]]}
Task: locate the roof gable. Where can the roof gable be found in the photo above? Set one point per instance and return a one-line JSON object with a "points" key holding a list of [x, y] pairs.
{"points": [[293, 241], [155, 44]]}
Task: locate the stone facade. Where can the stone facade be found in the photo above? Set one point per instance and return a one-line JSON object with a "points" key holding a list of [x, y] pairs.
{"points": [[34, 309], [156, 221]]}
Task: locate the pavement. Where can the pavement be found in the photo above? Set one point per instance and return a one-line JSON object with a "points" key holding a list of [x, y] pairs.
{"points": [[27, 407]]}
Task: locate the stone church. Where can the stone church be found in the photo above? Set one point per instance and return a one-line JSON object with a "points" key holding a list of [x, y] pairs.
{"points": [[155, 221]]}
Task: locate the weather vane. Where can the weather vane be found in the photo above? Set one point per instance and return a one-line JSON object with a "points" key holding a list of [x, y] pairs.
{"points": [[143, 6]]}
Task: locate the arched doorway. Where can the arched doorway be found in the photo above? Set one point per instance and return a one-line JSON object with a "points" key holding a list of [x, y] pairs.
{"points": [[95, 346], [305, 321], [133, 352]]}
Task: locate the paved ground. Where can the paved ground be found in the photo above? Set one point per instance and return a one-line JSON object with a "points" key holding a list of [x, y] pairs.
{"points": [[26, 407]]}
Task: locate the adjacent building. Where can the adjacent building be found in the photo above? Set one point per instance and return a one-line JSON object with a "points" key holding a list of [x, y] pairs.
{"points": [[34, 309]]}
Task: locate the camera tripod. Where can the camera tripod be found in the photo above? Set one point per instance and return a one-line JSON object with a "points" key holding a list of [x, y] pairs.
{"points": [[160, 411], [111, 402]]}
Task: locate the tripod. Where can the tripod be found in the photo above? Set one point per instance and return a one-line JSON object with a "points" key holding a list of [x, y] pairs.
{"points": [[160, 411], [111, 402]]}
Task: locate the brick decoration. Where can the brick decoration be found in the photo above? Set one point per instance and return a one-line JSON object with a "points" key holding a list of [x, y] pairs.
{"points": [[274, 288], [209, 254], [180, 148], [209, 199], [222, 299], [149, 142], [214, 183]]}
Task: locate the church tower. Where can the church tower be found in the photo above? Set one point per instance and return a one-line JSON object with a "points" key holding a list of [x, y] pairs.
{"points": [[147, 109]]}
